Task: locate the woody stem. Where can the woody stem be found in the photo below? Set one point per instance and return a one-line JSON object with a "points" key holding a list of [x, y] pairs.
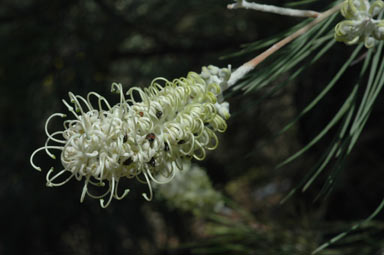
{"points": [[251, 64]]}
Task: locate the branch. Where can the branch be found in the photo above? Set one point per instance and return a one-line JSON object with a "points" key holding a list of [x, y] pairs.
{"points": [[250, 65], [273, 9]]}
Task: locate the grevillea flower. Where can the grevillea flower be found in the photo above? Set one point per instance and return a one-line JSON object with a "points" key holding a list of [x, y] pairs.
{"points": [[192, 191], [360, 25], [142, 137]]}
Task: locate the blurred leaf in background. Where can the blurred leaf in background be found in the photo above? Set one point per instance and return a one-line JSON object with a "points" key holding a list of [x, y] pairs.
{"points": [[48, 48]]}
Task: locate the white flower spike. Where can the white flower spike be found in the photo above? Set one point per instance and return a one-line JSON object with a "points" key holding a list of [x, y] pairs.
{"points": [[142, 137], [192, 191]]}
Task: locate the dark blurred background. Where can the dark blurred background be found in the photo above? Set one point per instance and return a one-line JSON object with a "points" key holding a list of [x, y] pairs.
{"points": [[48, 48]]}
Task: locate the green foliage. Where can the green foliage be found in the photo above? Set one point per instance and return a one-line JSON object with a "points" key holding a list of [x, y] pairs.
{"points": [[349, 120], [291, 57], [329, 94]]}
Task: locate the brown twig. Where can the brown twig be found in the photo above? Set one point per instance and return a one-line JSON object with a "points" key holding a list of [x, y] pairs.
{"points": [[250, 65]]}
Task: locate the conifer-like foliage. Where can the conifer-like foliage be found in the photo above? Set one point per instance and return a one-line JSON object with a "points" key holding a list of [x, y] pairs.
{"points": [[362, 27], [255, 127]]}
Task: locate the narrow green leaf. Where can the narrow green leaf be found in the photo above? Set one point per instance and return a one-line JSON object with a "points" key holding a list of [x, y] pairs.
{"points": [[297, 3], [279, 86], [343, 109], [324, 91], [340, 142], [354, 227], [288, 57], [254, 46], [310, 172], [333, 150], [368, 101], [368, 89]]}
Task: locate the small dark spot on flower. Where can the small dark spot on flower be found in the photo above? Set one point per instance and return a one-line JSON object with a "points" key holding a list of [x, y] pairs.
{"points": [[150, 137], [125, 139], [181, 142], [152, 162], [141, 114], [127, 162], [159, 114], [166, 146]]}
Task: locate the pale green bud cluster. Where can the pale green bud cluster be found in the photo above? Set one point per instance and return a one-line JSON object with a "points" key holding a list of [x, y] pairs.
{"points": [[213, 74], [145, 136], [191, 191], [360, 25]]}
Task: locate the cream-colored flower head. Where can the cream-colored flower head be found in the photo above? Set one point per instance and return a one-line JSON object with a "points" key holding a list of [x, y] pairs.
{"points": [[360, 24], [146, 135], [191, 191]]}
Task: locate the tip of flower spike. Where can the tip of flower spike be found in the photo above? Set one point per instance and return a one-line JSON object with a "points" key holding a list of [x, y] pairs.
{"points": [[116, 87], [104, 205], [69, 107], [205, 73], [149, 199], [71, 97], [223, 110], [49, 182], [31, 159], [61, 115], [149, 189], [124, 194]]}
